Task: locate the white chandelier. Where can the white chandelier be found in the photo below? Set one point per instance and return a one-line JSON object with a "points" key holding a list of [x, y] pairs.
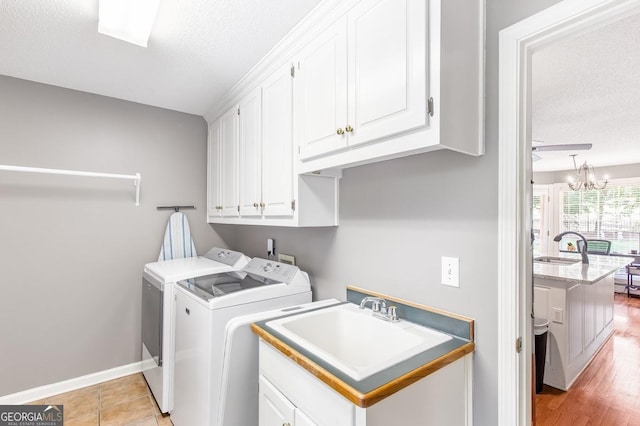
{"points": [[585, 177]]}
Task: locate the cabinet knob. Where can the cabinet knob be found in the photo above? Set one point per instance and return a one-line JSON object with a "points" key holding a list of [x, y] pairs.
{"points": [[262, 205], [255, 205], [340, 132], [349, 128]]}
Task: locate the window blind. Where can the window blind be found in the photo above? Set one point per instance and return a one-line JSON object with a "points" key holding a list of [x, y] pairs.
{"points": [[610, 214]]}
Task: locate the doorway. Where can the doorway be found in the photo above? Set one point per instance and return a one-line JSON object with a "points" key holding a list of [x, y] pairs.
{"points": [[517, 44]]}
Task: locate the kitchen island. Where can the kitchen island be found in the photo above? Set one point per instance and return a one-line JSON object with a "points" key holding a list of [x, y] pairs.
{"points": [[577, 300]]}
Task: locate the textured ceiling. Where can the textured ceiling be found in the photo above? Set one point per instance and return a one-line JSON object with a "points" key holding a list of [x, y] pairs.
{"points": [[197, 50], [587, 90]]}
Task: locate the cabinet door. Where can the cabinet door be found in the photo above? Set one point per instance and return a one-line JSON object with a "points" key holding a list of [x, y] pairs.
{"points": [[273, 407], [301, 419], [249, 154], [213, 170], [590, 313], [575, 302], [229, 163], [320, 87], [277, 143], [387, 61]]}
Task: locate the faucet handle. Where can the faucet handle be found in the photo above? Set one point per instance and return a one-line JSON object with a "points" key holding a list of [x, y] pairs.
{"points": [[393, 316]]}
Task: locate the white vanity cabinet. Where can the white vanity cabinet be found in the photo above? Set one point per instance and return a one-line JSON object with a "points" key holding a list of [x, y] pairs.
{"points": [[276, 409], [289, 394], [363, 78]]}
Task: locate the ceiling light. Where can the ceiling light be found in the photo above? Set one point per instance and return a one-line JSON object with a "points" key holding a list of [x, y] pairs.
{"points": [[585, 177], [128, 20]]}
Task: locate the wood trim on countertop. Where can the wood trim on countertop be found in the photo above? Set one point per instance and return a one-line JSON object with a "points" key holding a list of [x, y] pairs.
{"points": [[360, 399]]}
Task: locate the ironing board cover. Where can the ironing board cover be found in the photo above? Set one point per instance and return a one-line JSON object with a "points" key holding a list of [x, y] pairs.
{"points": [[177, 241]]}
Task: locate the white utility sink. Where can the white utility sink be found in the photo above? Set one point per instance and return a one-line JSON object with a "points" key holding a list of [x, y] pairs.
{"points": [[354, 341]]}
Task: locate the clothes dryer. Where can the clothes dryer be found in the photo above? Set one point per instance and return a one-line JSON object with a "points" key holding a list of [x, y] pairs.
{"points": [[158, 321]]}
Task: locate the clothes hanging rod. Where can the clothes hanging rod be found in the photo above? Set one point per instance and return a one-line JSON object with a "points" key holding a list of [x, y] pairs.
{"points": [[136, 178], [175, 208]]}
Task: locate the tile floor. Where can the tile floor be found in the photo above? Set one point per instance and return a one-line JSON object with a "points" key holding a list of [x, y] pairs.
{"points": [[120, 402]]}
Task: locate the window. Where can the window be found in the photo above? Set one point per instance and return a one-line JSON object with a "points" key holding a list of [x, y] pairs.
{"points": [[610, 214], [540, 226]]}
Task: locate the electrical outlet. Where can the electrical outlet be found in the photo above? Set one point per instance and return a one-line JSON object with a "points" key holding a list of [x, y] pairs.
{"points": [[450, 271], [286, 258]]}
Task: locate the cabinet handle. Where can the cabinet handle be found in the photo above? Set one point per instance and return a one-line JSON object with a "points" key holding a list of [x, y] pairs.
{"points": [[349, 128], [255, 205], [340, 132]]}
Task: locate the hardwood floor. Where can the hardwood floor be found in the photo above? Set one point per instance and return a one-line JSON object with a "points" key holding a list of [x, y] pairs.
{"points": [[608, 390]]}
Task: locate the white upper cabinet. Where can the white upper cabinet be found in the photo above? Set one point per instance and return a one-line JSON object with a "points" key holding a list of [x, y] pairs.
{"points": [[277, 141], [382, 44], [414, 83], [250, 164], [370, 80], [213, 170], [387, 58], [229, 162], [320, 88]]}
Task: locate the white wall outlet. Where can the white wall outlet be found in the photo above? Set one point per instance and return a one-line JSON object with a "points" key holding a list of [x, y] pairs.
{"points": [[450, 271]]}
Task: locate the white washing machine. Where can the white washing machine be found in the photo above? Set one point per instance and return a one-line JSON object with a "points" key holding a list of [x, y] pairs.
{"points": [[158, 313], [204, 308]]}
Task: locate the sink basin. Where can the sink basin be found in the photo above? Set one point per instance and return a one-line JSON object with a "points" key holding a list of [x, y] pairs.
{"points": [[355, 342], [556, 260]]}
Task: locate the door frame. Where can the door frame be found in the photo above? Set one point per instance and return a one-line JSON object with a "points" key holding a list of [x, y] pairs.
{"points": [[516, 45]]}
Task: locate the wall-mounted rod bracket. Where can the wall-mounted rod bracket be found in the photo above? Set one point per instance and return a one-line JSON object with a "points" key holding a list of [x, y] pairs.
{"points": [[175, 208]]}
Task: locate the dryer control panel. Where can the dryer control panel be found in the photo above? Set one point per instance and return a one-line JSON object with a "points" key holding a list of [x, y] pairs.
{"points": [[275, 271], [228, 257]]}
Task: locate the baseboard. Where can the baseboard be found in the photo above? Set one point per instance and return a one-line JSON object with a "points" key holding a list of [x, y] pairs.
{"points": [[70, 385]]}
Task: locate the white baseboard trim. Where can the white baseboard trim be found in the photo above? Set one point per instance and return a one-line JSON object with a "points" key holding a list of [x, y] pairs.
{"points": [[70, 385]]}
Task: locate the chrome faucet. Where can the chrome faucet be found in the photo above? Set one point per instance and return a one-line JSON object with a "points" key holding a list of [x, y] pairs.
{"points": [[377, 303], [583, 252], [379, 309]]}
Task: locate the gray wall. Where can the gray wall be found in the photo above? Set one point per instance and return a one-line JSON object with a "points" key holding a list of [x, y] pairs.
{"points": [[73, 248], [397, 218]]}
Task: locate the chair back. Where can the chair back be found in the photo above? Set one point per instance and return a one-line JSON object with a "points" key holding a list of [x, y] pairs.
{"points": [[595, 246]]}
